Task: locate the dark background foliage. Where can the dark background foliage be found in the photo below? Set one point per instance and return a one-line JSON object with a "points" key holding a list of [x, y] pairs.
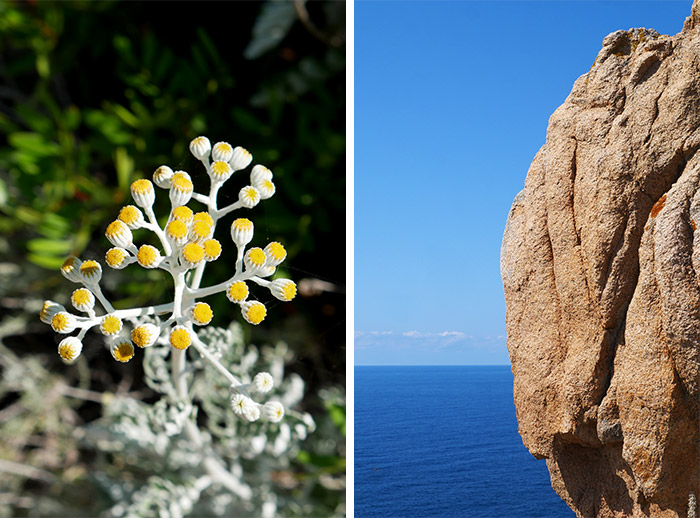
{"points": [[94, 95]]}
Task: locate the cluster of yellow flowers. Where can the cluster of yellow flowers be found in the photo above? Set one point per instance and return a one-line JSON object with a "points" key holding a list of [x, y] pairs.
{"points": [[186, 245]]}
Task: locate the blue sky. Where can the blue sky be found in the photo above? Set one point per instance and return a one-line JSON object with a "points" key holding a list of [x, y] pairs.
{"points": [[452, 101]]}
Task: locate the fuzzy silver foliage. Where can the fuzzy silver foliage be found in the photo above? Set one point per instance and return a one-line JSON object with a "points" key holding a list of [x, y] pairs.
{"points": [[148, 439]]}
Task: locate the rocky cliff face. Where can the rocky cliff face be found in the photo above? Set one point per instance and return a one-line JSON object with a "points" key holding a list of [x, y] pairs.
{"points": [[601, 270]]}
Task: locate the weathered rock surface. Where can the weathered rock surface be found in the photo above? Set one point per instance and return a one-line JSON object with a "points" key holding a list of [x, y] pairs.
{"points": [[601, 270]]}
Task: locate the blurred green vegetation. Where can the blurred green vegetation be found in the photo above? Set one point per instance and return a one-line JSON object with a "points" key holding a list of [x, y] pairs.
{"points": [[94, 95], [97, 94]]}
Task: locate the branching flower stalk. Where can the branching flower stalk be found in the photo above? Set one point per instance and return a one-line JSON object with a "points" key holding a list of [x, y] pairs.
{"points": [[186, 246]]}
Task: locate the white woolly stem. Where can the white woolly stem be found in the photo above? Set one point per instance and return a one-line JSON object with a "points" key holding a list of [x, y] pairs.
{"points": [[157, 230], [201, 198], [222, 212], [141, 312], [223, 476], [185, 295], [86, 323], [261, 282], [179, 278], [178, 356], [202, 483], [97, 291], [197, 276], [211, 205], [178, 373], [202, 349], [217, 288], [239, 259]]}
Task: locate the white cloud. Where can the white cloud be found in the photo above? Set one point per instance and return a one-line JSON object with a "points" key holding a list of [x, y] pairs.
{"points": [[373, 333], [426, 341], [405, 347], [456, 334]]}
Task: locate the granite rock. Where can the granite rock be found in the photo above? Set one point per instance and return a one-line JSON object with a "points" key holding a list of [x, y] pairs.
{"points": [[601, 270]]}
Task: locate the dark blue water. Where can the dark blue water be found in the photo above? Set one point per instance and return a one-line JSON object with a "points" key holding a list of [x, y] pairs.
{"points": [[443, 442]]}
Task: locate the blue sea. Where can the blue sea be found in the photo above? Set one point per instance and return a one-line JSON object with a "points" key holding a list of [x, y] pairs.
{"points": [[443, 442]]}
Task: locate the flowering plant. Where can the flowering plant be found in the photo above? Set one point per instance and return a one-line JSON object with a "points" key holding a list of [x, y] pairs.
{"points": [[186, 246]]}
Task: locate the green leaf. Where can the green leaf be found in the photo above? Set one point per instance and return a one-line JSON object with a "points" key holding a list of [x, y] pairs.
{"points": [[49, 247], [72, 117], [165, 61], [125, 167], [54, 226], [36, 121], [28, 216], [209, 45], [337, 415], [33, 144], [42, 66], [3, 193], [125, 115], [26, 162], [122, 44], [45, 261], [108, 126], [330, 463]]}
